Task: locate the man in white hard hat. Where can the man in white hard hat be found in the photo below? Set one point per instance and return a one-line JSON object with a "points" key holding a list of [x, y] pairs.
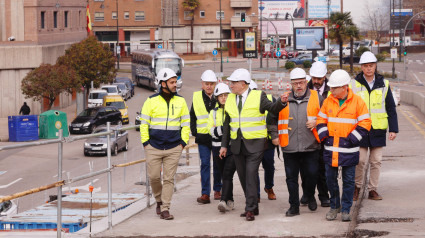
{"points": [[299, 140], [164, 132], [318, 83], [245, 129], [376, 92], [203, 102], [342, 122]]}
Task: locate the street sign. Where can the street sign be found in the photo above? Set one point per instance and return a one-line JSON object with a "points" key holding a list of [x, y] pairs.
{"points": [[214, 52], [402, 12], [118, 49], [159, 46], [278, 53], [394, 53], [266, 47], [261, 8]]}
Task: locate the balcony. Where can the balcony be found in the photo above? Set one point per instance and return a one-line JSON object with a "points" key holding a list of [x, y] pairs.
{"points": [[240, 3], [235, 21]]}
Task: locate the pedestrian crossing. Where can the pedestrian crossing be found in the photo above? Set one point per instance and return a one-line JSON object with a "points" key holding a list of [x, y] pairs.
{"points": [[421, 62]]}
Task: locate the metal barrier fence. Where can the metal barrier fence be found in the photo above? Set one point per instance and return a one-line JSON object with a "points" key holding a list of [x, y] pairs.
{"points": [[61, 182]]}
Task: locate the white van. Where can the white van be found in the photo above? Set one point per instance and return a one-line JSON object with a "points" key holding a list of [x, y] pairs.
{"points": [[111, 89], [96, 97]]}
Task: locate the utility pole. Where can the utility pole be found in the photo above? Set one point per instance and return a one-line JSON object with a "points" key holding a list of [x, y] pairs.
{"points": [[393, 41], [329, 5], [399, 32], [261, 33], [221, 47], [172, 24], [391, 44], [118, 39]]}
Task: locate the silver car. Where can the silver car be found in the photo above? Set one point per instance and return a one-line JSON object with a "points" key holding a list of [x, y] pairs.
{"points": [[97, 145], [125, 91]]}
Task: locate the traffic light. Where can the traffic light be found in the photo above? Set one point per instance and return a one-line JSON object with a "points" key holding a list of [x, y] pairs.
{"points": [[271, 40], [243, 17], [286, 16], [405, 51]]}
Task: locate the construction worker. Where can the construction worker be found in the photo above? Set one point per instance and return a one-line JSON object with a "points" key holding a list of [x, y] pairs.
{"points": [[299, 140], [203, 102], [226, 164], [245, 128], [318, 83], [376, 92], [268, 158], [164, 132], [342, 122]]}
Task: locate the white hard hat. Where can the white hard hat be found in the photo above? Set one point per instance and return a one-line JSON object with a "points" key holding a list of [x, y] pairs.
{"points": [[209, 76], [240, 75], [253, 85], [221, 88], [308, 78], [297, 73], [165, 74], [318, 69], [339, 78], [367, 57]]}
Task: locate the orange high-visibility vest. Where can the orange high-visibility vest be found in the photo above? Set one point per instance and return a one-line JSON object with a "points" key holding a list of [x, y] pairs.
{"points": [[313, 108]]}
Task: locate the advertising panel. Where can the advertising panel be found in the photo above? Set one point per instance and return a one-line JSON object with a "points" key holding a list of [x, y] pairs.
{"points": [[319, 23], [319, 8], [279, 8], [250, 46], [282, 27], [309, 38]]}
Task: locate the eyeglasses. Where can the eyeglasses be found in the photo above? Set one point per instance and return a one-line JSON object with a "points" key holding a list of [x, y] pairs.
{"points": [[298, 83], [235, 82]]}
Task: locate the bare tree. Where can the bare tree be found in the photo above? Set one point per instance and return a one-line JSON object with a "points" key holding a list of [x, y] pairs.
{"points": [[377, 18]]}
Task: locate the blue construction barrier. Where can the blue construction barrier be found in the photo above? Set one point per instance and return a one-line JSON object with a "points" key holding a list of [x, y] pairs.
{"points": [[6, 225], [23, 128]]}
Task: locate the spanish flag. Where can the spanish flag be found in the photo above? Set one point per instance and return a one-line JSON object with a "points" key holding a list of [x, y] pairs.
{"points": [[89, 27]]}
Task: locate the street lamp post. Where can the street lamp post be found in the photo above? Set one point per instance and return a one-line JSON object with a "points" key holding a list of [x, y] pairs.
{"points": [[118, 39], [329, 6], [172, 24], [261, 33], [221, 47]]}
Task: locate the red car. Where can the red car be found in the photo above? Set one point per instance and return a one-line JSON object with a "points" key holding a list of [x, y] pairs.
{"points": [[290, 53], [269, 53]]}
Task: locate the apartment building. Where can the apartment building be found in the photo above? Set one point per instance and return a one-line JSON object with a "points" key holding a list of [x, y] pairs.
{"points": [[418, 23], [141, 22]]}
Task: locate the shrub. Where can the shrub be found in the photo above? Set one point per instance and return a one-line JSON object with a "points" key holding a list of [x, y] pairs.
{"points": [[380, 57], [361, 50], [289, 65], [307, 64]]}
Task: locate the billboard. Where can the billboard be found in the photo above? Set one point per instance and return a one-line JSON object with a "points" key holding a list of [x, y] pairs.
{"points": [[250, 45], [309, 38], [319, 23], [282, 27], [319, 8], [279, 8]]}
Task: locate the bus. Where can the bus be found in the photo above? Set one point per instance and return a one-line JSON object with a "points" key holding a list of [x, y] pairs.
{"points": [[145, 64]]}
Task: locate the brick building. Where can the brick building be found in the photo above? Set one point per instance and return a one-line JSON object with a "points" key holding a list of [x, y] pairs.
{"points": [[33, 32], [142, 22], [418, 23]]}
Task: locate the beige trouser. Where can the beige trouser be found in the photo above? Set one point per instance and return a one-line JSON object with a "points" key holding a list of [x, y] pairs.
{"points": [[169, 160], [374, 159]]}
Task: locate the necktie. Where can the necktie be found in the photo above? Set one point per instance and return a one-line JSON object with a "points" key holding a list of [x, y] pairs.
{"points": [[240, 103]]}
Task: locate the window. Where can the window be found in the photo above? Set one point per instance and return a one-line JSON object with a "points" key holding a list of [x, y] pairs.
{"points": [[139, 16], [187, 15], [66, 19], [79, 18], [55, 19], [202, 14], [114, 15], [42, 19], [126, 15], [217, 15], [99, 16], [238, 13]]}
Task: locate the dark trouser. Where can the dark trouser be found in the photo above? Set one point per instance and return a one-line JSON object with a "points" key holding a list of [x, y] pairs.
{"points": [[247, 167], [294, 162], [347, 186], [322, 187], [227, 169], [268, 166], [205, 156]]}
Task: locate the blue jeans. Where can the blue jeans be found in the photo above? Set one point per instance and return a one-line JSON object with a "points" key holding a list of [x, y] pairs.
{"points": [[348, 173], [268, 166], [205, 156]]}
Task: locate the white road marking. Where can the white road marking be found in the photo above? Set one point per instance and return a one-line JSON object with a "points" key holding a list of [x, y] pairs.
{"points": [[2, 172], [417, 79], [54, 176], [84, 187], [419, 62], [409, 61], [7, 185]]}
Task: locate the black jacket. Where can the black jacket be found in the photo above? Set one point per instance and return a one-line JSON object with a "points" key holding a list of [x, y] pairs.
{"points": [[376, 137], [210, 103], [325, 91]]}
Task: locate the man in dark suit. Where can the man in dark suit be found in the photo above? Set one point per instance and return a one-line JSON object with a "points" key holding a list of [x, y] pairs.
{"points": [[299, 11], [245, 129]]}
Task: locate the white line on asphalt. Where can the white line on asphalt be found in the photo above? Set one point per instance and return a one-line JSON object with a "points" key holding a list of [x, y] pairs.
{"points": [[7, 185], [419, 62], [2, 172], [54, 176], [419, 81], [410, 61], [397, 72]]}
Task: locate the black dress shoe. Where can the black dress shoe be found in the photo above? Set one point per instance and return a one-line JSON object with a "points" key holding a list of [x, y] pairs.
{"points": [[256, 212], [158, 208], [293, 211], [304, 200], [325, 203], [249, 216], [312, 204]]}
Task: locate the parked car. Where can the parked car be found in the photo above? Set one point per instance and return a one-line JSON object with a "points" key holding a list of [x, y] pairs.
{"points": [[111, 89], [118, 102], [127, 81], [290, 52], [7, 209], [301, 58], [96, 97], [125, 92], [98, 145], [346, 59], [87, 121]]}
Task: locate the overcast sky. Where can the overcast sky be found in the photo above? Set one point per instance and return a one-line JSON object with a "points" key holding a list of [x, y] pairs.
{"points": [[357, 9]]}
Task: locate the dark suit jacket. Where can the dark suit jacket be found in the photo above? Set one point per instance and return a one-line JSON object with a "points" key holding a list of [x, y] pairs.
{"points": [[325, 91], [253, 145], [298, 13]]}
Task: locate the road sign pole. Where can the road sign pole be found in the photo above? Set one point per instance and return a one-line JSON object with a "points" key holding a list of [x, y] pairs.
{"points": [[250, 64]]}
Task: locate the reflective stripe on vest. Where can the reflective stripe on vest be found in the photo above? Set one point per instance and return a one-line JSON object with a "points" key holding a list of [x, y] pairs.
{"points": [[251, 122], [200, 112], [218, 119], [375, 102], [313, 108]]}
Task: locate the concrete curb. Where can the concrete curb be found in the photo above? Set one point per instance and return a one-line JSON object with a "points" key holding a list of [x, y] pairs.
{"points": [[413, 98]]}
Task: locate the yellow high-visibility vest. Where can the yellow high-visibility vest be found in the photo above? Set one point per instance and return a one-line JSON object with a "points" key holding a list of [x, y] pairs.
{"points": [[201, 113]]}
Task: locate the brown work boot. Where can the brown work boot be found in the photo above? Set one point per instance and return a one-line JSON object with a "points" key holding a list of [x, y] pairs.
{"points": [[217, 195], [270, 194], [356, 193], [158, 208], [204, 199], [166, 215], [374, 195]]}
